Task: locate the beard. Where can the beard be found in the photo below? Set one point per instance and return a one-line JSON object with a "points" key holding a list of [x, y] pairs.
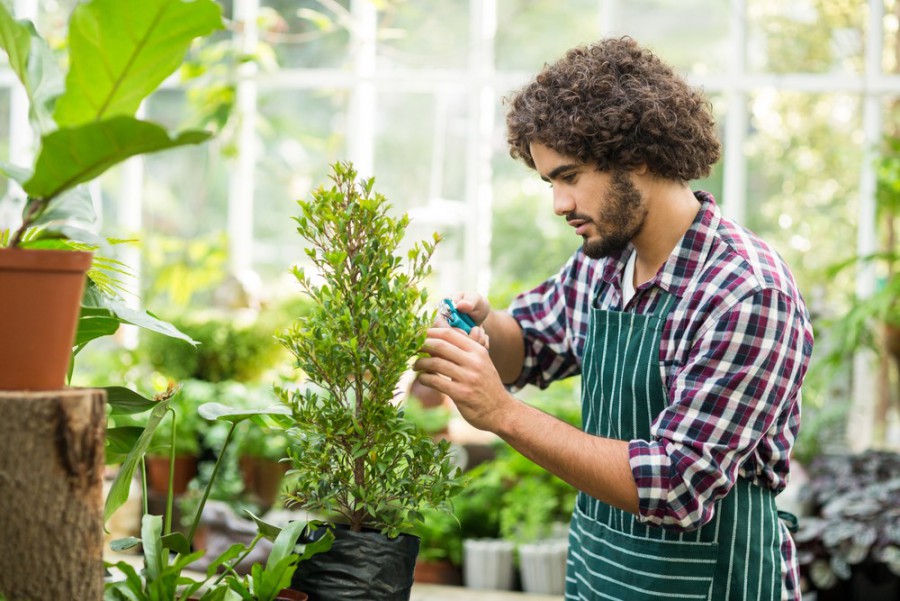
{"points": [[623, 216]]}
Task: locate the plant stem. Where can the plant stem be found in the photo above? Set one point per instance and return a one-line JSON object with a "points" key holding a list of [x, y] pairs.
{"points": [[170, 497], [238, 560], [34, 208], [145, 502], [209, 484]]}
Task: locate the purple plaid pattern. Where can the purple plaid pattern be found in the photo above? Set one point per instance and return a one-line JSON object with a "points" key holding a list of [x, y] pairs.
{"points": [[733, 353]]}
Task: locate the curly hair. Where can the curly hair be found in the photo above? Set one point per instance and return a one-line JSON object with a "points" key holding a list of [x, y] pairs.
{"points": [[616, 105]]}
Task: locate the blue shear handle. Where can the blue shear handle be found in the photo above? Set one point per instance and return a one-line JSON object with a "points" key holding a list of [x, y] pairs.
{"points": [[457, 319]]}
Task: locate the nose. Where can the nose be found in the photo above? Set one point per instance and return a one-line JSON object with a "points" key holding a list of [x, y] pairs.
{"points": [[562, 202]]}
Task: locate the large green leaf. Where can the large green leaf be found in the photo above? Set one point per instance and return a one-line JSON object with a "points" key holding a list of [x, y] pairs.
{"points": [[75, 155], [124, 401], [120, 441], [118, 492], [14, 172], [121, 51], [94, 323], [15, 39], [73, 205], [33, 62], [218, 411]]}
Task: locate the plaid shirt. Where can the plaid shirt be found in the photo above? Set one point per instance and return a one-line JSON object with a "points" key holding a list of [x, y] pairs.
{"points": [[732, 356]]}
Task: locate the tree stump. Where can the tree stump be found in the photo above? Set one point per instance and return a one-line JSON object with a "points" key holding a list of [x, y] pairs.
{"points": [[51, 494]]}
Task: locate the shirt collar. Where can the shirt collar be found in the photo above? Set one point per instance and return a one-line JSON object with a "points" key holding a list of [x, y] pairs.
{"points": [[686, 258]]}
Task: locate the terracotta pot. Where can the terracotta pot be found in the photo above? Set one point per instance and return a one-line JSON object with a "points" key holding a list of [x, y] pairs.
{"points": [[892, 340], [158, 473], [437, 572], [39, 306], [289, 594], [262, 477]]}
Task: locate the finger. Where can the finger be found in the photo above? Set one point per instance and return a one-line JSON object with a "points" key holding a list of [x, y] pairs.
{"points": [[440, 350], [466, 301], [436, 382], [480, 336]]}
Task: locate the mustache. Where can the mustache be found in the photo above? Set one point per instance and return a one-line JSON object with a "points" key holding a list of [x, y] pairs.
{"points": [[571, 216]]}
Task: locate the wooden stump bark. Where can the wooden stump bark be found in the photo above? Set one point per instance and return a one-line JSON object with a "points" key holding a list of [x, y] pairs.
{"points": [[51, 494]]}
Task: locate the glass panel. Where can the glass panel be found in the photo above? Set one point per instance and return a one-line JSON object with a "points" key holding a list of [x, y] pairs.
{"points": [[804, 157], [52, 20], [690, 35], [424, 33], [306, 33], [529, 243], [185, 189], [4, 153], [420, 147], [806, 36], [302, 133], [526, 41]]}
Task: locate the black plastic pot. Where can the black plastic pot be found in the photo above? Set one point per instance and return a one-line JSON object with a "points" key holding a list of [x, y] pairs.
{"points": [[360, 566]]}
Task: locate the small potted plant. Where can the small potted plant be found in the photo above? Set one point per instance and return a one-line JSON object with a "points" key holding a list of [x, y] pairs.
{"points": [[85, 124], [849, 549], [167, 554], [353, 454]]}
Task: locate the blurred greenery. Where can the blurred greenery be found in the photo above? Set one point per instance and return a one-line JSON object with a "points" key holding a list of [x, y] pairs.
{"points": [[803, 152], [228, 350]]}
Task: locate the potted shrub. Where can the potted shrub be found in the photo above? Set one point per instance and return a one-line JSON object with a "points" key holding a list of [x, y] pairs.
{"points": [[849, 549], [353, 455], [85, 124]]}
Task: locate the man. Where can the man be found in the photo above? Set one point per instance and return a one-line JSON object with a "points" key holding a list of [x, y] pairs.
{"points": [[689, 333]]}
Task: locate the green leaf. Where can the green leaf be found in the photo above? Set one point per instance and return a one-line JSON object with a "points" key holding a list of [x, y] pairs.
{"points": [[285, 542], [74, 205], [151, 529], [123, 544], [124, 401], [120, 441], [126, 314], [118, 492], [94, 323], [267, 529], [178, 542], [14, 172], [71, 156], [15, 39], [218, 411], [120, 52]]}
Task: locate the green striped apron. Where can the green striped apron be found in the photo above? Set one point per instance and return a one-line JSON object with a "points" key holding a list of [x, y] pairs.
{"points": [[736, 556]]}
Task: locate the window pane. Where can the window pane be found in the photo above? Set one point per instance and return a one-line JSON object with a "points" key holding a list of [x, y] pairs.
{"points": [[185, 189], [803, 176], [306, 33], [533, 32], [806, 36], [301, 134], [424, 34], [690, 35], [4, 152]]}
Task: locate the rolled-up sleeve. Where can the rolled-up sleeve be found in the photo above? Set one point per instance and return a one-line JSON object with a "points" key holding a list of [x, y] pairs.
{"points": [[743, 370], [553, 318]]}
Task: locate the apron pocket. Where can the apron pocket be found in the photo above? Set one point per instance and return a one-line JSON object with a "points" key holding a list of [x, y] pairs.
{"points": [[609, 564]]}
